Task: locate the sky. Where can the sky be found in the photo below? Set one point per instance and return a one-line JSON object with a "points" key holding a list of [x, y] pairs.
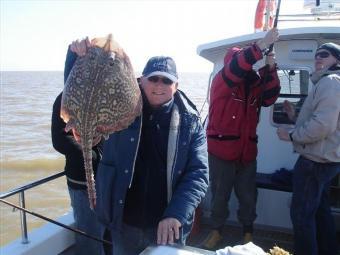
{"points": [[34, 34]]}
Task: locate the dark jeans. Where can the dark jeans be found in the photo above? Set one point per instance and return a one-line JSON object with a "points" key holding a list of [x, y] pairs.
{"points": [[224, 176], [86, 221], [314, 227], [133, 241]]}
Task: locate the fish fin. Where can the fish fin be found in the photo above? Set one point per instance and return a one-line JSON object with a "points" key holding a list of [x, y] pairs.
{"points": [[69, 125], [107, 43]]}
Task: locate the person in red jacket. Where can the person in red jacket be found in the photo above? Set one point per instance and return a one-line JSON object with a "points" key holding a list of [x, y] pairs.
{"points": [[237, 94]]}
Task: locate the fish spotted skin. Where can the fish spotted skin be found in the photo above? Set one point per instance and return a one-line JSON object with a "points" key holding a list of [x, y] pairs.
{"points": [[101, 96]]}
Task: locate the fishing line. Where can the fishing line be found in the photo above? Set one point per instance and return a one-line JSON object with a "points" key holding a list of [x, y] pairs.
{"points": [[207, 96], [56, 222]]}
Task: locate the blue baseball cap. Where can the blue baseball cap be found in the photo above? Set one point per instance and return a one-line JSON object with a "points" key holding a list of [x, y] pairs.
{"points": [[163, 66]]}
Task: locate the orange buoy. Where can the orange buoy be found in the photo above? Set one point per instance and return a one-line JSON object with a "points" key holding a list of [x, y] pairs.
{"points": [[259, 14], [262, 7]]}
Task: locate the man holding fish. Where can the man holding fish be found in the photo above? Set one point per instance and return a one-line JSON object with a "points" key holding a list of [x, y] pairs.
{"points": [[154, 169]]}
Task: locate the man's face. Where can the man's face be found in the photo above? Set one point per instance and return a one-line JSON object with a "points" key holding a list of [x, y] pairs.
{"points": [[158, 89], [324, 59]]}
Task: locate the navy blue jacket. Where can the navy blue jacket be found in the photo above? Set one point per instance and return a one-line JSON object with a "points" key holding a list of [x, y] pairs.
{"points": [[187, 167]]}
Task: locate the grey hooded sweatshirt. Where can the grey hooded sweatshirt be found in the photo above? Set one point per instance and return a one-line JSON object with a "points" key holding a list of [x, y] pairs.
{"points": [[317, 132]]}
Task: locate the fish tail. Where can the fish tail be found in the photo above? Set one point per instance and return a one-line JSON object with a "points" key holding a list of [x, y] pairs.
{"points": [[87, 154]]}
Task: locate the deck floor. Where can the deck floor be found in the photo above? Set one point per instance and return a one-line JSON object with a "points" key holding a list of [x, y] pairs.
{"points": [[232, 235]]}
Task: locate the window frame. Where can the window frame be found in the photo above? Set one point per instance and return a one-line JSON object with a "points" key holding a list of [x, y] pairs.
{"points": [[277, 117]]}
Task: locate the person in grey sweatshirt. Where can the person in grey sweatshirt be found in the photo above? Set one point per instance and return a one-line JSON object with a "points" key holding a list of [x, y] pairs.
{"points": [[316, 137]]}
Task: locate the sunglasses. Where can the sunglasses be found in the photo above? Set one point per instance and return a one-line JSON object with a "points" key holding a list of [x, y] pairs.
{"points": [[322, 54], [165, 80]]}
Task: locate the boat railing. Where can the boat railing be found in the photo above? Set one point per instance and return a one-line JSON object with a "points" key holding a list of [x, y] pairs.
{"points": [[21, 191]]}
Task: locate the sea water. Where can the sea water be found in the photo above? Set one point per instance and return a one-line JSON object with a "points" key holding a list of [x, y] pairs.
{"points": [[26, 151]]}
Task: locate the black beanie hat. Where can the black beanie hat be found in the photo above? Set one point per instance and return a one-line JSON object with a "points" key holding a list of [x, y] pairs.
{"points": [[333, 48]]}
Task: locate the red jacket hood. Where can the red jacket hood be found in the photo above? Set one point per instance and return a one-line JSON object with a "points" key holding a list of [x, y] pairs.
{"points": [[230, 53]]}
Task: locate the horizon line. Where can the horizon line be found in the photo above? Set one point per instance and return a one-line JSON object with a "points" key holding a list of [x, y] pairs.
{"points": [[63, 71]]}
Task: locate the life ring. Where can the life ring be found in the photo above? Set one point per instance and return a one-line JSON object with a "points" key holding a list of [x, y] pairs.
{"points": [[260, 14]]}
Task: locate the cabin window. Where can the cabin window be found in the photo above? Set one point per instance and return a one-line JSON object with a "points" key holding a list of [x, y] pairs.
{"points": [[294, 88]]}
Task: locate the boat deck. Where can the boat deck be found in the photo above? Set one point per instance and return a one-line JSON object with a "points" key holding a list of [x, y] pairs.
{"points": [[232, 235]]}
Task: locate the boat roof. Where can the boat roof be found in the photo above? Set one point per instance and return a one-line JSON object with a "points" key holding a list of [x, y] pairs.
{"points": [[214, 50]]}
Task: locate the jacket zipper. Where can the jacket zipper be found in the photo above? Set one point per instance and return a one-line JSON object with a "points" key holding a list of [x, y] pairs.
{"points": [[136, 152]]}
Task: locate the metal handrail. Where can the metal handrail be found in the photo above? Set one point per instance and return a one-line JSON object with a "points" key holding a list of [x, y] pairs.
{"points": [[31, 185], [21, 191]]}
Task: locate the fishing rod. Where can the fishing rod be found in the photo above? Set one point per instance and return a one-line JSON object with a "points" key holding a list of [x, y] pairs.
{"points": [[56, 222], [270, 49]]}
